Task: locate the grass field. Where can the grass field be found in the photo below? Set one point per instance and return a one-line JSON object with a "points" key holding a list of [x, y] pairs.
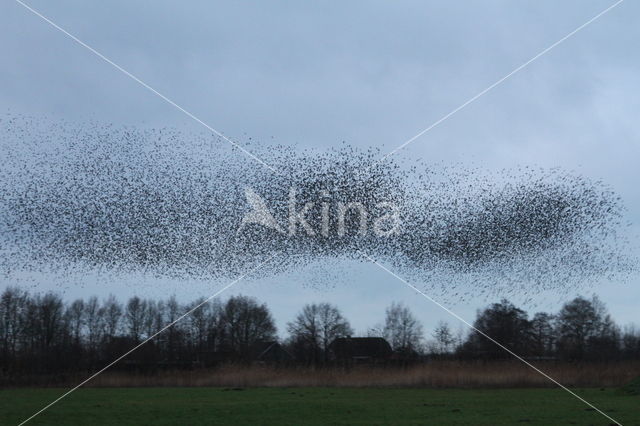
{"points": [[317, 406]]}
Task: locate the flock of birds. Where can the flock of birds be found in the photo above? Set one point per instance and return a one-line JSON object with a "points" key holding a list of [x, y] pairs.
{"points": [[167, 203]]}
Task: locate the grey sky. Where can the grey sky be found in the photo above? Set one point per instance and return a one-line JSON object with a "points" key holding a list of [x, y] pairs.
{"points": [[369, 73]]}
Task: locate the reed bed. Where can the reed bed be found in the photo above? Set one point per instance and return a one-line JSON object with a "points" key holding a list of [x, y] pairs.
{"points": [[441, 374]]}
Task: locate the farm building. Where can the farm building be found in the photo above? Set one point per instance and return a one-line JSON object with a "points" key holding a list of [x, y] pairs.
{"points": [[355, 350], [270, 353]]}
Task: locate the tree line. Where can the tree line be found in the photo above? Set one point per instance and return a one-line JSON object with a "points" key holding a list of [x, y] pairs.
{"points": [[44, 334]]}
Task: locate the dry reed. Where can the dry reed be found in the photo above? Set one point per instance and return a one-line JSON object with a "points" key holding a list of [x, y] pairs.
{"points": [[440, 374]]}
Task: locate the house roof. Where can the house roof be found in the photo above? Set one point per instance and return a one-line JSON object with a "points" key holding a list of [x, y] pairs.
{"points": [[261, 349]]}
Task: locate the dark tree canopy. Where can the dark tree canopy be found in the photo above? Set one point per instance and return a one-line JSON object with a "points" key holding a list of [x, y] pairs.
{"points": [[504, 323], [585, 329]]}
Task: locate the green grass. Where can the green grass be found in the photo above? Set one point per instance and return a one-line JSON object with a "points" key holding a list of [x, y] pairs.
{"points": [[316, 406]]}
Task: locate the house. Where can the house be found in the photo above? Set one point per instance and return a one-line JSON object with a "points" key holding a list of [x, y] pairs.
{"points": [[358, 350], [270, 352]]}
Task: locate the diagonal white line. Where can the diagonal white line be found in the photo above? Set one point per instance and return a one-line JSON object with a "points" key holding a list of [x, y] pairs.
{"points": [[142, 83], [449, 311], [483, 92], [186, 314]]}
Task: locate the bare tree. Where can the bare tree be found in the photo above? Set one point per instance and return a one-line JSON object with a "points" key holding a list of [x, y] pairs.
{"points": [[245, 322], [12, 322], [48, 327], [76, 318], [94, 322], [444, 338], [542, 334], [402, 329], [203, 323], [316, 327], [112, 316], [215, 325], [173, 334], [135, 314], [155, 317]]}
